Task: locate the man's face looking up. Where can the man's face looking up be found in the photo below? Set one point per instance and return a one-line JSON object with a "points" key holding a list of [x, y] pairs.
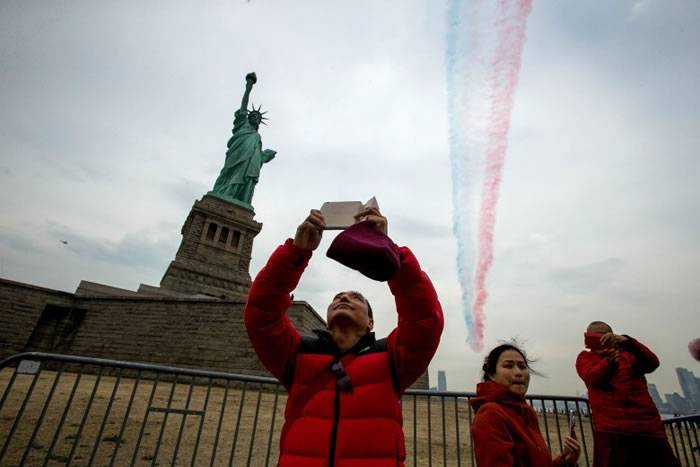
{"points": [[349, 308]]}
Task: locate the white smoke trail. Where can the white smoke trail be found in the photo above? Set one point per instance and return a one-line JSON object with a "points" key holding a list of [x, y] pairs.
{"points": [[484, 46]]}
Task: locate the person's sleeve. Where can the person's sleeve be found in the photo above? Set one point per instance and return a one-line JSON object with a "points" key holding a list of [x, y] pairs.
{"points": [[493, 443], [272, 334], [647, 361], [417, 336], [594, 374]]}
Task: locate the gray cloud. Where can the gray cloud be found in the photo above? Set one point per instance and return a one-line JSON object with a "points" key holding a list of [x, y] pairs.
{"points": [[16, 241], [182, 190], [418, 227], [588, 277], [136, 249]]}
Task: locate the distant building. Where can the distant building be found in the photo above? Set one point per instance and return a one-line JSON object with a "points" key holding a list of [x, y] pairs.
{"points": [[690, 385], [678, 404], [441, 380], [656, 397], [688, 403]]}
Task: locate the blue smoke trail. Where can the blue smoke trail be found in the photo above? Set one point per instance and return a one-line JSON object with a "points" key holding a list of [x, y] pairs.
{"points": [[463, 226], [484, 48]]}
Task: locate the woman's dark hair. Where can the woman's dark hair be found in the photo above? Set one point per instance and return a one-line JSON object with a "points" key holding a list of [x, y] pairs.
{"points": [[491, 360]]}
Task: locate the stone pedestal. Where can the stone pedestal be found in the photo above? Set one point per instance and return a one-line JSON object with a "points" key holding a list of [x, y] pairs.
{"points": [[214, 256]]}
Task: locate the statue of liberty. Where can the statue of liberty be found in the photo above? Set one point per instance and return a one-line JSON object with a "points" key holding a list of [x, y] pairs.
{"points": [[245, 155]]}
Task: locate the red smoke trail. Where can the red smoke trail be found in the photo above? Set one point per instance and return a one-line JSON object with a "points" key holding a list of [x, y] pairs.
{"points": [[505, 70]]}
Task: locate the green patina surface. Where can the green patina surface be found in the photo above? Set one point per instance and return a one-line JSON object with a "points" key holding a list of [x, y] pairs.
{"points": [[244, 156]]}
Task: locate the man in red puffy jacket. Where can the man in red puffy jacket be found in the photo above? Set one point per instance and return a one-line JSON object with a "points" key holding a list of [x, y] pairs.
{"points": [[344, 384], [627, 427]]}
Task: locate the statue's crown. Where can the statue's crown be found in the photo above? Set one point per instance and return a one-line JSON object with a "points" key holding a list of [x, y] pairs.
{"points": [[260, 114]]}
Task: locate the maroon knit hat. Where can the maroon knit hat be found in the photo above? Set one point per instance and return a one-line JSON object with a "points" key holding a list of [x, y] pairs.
{"points": [[694, 348], [365, 249]]}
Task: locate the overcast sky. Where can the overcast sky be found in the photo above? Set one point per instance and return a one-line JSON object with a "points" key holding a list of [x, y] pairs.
{"points": [[114, 118]]}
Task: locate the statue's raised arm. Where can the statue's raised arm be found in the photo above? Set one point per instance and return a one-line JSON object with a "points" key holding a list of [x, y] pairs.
{"points": [[250, 80]]}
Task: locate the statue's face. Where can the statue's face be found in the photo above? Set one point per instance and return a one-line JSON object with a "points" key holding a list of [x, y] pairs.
{"points": [[254, 119]]}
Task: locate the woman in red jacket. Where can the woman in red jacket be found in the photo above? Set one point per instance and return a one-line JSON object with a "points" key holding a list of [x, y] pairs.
{"points": [[505, 429]]}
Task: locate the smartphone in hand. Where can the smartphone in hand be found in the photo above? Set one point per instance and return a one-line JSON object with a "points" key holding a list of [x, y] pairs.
{"points": [[572, 424]]}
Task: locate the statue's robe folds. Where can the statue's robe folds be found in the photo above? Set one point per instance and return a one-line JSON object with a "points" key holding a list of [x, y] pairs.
{"points": [[244, 158]]}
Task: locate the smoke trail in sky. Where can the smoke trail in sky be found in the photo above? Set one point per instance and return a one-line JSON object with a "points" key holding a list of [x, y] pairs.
{"points": [[484, 48]]}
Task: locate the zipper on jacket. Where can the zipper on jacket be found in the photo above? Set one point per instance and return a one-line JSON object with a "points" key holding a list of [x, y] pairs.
{"points": [[334, 430]]}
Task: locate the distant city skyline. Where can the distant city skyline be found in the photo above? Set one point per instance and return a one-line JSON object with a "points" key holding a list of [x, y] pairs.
{"points": [[687, 403]]}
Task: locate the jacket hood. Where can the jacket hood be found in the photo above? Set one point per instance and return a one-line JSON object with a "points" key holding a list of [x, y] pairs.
{"points": [[495, 392]]}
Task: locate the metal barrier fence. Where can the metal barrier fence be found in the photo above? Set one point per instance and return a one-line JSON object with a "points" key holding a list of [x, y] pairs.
{"points": [[683, 434], [69, 410]]}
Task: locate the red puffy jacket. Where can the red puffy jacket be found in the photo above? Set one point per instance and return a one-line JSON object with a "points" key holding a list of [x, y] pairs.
{"points": [[618, 393], [349, 415], [505, 430]]}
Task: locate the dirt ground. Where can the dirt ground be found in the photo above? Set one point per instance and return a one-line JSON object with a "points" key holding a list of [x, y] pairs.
{"points": [[201, 427]]}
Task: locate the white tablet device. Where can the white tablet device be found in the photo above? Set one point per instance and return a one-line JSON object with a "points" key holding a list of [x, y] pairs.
{"points": [[340, 214]]}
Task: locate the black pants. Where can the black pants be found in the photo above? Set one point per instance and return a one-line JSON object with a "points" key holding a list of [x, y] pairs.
{"points": [[617, 450]]}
